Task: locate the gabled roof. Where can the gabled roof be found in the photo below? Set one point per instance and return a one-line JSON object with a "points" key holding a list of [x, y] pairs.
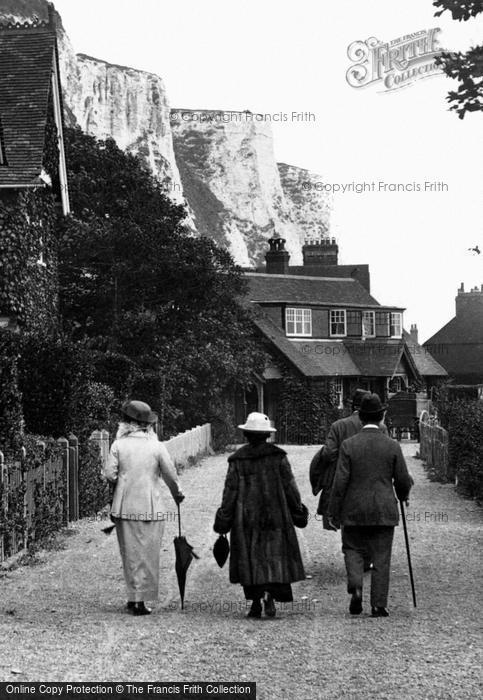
{"points": [[424, 361], [303, 356], [464, 329], [378, 357], [298, 289], [26, 63]]}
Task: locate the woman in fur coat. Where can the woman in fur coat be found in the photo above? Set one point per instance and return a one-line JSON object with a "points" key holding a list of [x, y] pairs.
{"points": [[260, 500]]}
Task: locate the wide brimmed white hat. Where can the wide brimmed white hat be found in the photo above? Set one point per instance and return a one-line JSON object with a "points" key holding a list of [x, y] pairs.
{"points": [[258, 423]]}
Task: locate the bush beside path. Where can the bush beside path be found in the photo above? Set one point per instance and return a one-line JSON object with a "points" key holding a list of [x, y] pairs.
{"points": [[63, 619]]}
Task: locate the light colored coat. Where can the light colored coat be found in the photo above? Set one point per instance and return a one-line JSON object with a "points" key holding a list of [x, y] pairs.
{"points": [[138, 463]]}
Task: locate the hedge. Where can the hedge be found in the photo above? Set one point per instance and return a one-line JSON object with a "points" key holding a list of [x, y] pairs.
{"points": [[462, 417]]}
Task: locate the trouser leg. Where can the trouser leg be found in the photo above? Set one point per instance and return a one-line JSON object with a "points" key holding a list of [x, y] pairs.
{"points": [[353, 547], [380, 545]]}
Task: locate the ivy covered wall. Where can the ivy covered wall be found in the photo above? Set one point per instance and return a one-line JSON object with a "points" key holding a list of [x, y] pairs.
{"points": [[28, 257]]}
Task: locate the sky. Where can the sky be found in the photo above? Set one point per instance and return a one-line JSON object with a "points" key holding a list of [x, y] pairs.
{"points": [[279, 56]]}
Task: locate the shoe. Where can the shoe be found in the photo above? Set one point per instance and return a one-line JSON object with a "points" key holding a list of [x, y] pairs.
{"points": [[355, 607], [255, 609], [141, 609], [269, 606], [130, 604], [380, 612]]}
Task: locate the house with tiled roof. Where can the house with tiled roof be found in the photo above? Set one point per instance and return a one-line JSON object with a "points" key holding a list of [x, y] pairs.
{"points": [[330, 330], [459, 343], [33, 179]]}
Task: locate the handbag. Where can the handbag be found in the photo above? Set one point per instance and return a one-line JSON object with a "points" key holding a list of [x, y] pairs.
{"points": [[221, 550], [300, 517]]}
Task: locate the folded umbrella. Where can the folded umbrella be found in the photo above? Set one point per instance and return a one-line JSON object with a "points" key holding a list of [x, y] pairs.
{"points": [[184, 556]]}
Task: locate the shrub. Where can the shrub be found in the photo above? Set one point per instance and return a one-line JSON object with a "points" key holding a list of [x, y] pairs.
{"points": [[94, 492], [305, 411], [10, 396], [462, 416], [53, 373]]}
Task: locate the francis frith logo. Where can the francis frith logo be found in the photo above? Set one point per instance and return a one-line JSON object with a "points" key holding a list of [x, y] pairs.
{"points": [[394, 64]]}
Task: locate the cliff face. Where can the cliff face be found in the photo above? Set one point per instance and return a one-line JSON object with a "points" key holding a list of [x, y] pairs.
{"points": [[231, 181], [128, 105], [309, 205], [222, 163]]}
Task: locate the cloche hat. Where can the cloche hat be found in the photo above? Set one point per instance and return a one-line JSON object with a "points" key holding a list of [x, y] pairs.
{"points": [[258, 423], [139, 412]]}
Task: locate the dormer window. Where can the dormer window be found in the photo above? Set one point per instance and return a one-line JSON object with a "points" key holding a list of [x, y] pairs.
{"points": [[395, 325], [338, 325], [368, 324], [298, 321]]}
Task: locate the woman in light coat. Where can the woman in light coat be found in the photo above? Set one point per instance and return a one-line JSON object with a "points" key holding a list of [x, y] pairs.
{"points": [[137, 463]]}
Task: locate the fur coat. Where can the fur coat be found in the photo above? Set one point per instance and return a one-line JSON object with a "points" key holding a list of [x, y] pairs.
{"points": [[259, 496]]}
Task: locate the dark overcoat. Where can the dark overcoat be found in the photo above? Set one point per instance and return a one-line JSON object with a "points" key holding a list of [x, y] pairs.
{"points": [[259, 496], [339, 431], [370, 467]]}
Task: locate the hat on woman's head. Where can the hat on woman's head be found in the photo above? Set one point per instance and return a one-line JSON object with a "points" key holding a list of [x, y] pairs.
{"points": [[139, 412], [258, 423]]}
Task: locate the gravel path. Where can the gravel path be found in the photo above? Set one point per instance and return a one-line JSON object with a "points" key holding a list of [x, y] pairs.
{"points": [[63, 619]]}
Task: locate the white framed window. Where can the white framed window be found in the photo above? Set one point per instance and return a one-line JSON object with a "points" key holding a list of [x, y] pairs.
{"points": [[338, 325], [298, 321], [339, 391], [395, 324], [368, 324]]}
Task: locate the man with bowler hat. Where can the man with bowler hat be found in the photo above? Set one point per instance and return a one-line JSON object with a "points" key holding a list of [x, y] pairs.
{"points": [[339, 431], [370, 466]]}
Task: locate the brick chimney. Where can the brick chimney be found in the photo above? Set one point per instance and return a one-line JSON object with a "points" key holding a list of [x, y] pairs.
{"points": [[414, 334], [277, 257], [470, 304], [320, 251]]}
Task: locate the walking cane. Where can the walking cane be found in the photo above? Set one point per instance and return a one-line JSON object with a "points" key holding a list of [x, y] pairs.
{"points": [[408, 552]]}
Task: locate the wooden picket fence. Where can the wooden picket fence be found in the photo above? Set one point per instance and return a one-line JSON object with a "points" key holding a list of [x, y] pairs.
{"points": [[182, 448], [41, 495], [434, 446], [37, 495]]}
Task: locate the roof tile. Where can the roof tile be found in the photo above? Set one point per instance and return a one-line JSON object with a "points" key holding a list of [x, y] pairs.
{"points": [[26, 60]]}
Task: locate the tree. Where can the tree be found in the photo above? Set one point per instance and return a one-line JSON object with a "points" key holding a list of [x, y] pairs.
{"points": [[135, 283], [465, 67]]}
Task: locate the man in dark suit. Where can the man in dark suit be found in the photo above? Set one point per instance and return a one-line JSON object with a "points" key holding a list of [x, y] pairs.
{"points": [[370, 466], [323, 471]]}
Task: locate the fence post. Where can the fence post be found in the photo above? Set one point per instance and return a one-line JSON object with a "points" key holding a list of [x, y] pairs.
{"points": [[101, 438], [27, 516], [64, 446], [3, 504], [73, 478]]}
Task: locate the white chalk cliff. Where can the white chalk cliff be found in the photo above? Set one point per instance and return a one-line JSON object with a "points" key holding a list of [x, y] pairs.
{"points": [[224, 168]]}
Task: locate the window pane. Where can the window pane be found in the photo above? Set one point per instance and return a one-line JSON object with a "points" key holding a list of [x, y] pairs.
{"points": [[382, 323], [368, 323], [337, 322], [298, 321], [395, 324]]}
